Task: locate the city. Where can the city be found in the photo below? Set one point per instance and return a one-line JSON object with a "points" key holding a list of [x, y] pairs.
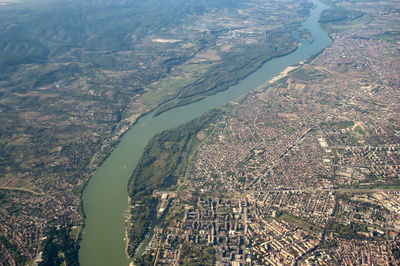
{"points": [[304, 170]]}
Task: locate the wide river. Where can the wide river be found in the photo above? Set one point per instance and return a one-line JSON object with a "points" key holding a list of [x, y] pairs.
{"points": [[106, 198]]}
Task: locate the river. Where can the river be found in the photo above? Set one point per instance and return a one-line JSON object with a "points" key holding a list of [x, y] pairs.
{"points": [[105, 198]]}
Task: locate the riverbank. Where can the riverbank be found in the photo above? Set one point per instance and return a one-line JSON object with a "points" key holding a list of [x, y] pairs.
{"points": [[232, 76], [160, 165], [283, 73]]}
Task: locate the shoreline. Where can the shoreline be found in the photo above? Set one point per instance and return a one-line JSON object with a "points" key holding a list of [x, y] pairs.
{"points": [[128, 220], [284, 73], [213, 91]]}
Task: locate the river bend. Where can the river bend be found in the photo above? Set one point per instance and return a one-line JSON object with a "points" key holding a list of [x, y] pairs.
{"points": [[105, 199]]}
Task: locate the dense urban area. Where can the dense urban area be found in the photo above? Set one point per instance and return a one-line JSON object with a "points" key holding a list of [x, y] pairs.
{"points": [[303, 170]]}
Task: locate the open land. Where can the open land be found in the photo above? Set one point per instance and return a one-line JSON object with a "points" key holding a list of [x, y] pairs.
{"points": [[76, 75], [305, 170]]}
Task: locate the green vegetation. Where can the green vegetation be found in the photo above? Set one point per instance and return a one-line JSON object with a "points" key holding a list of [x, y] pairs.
{"points": [[308, 75], [389, 36], [143, 216], [145, 259], [337, 125], [347, 231], [177, 103], [4, 200], [197, 255], [360, 130], [288, 129], [395, 185], [329, 103], [75, 232], [302, 74], [339, 14], [164, 159], [60, 247], [297, 221]]}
